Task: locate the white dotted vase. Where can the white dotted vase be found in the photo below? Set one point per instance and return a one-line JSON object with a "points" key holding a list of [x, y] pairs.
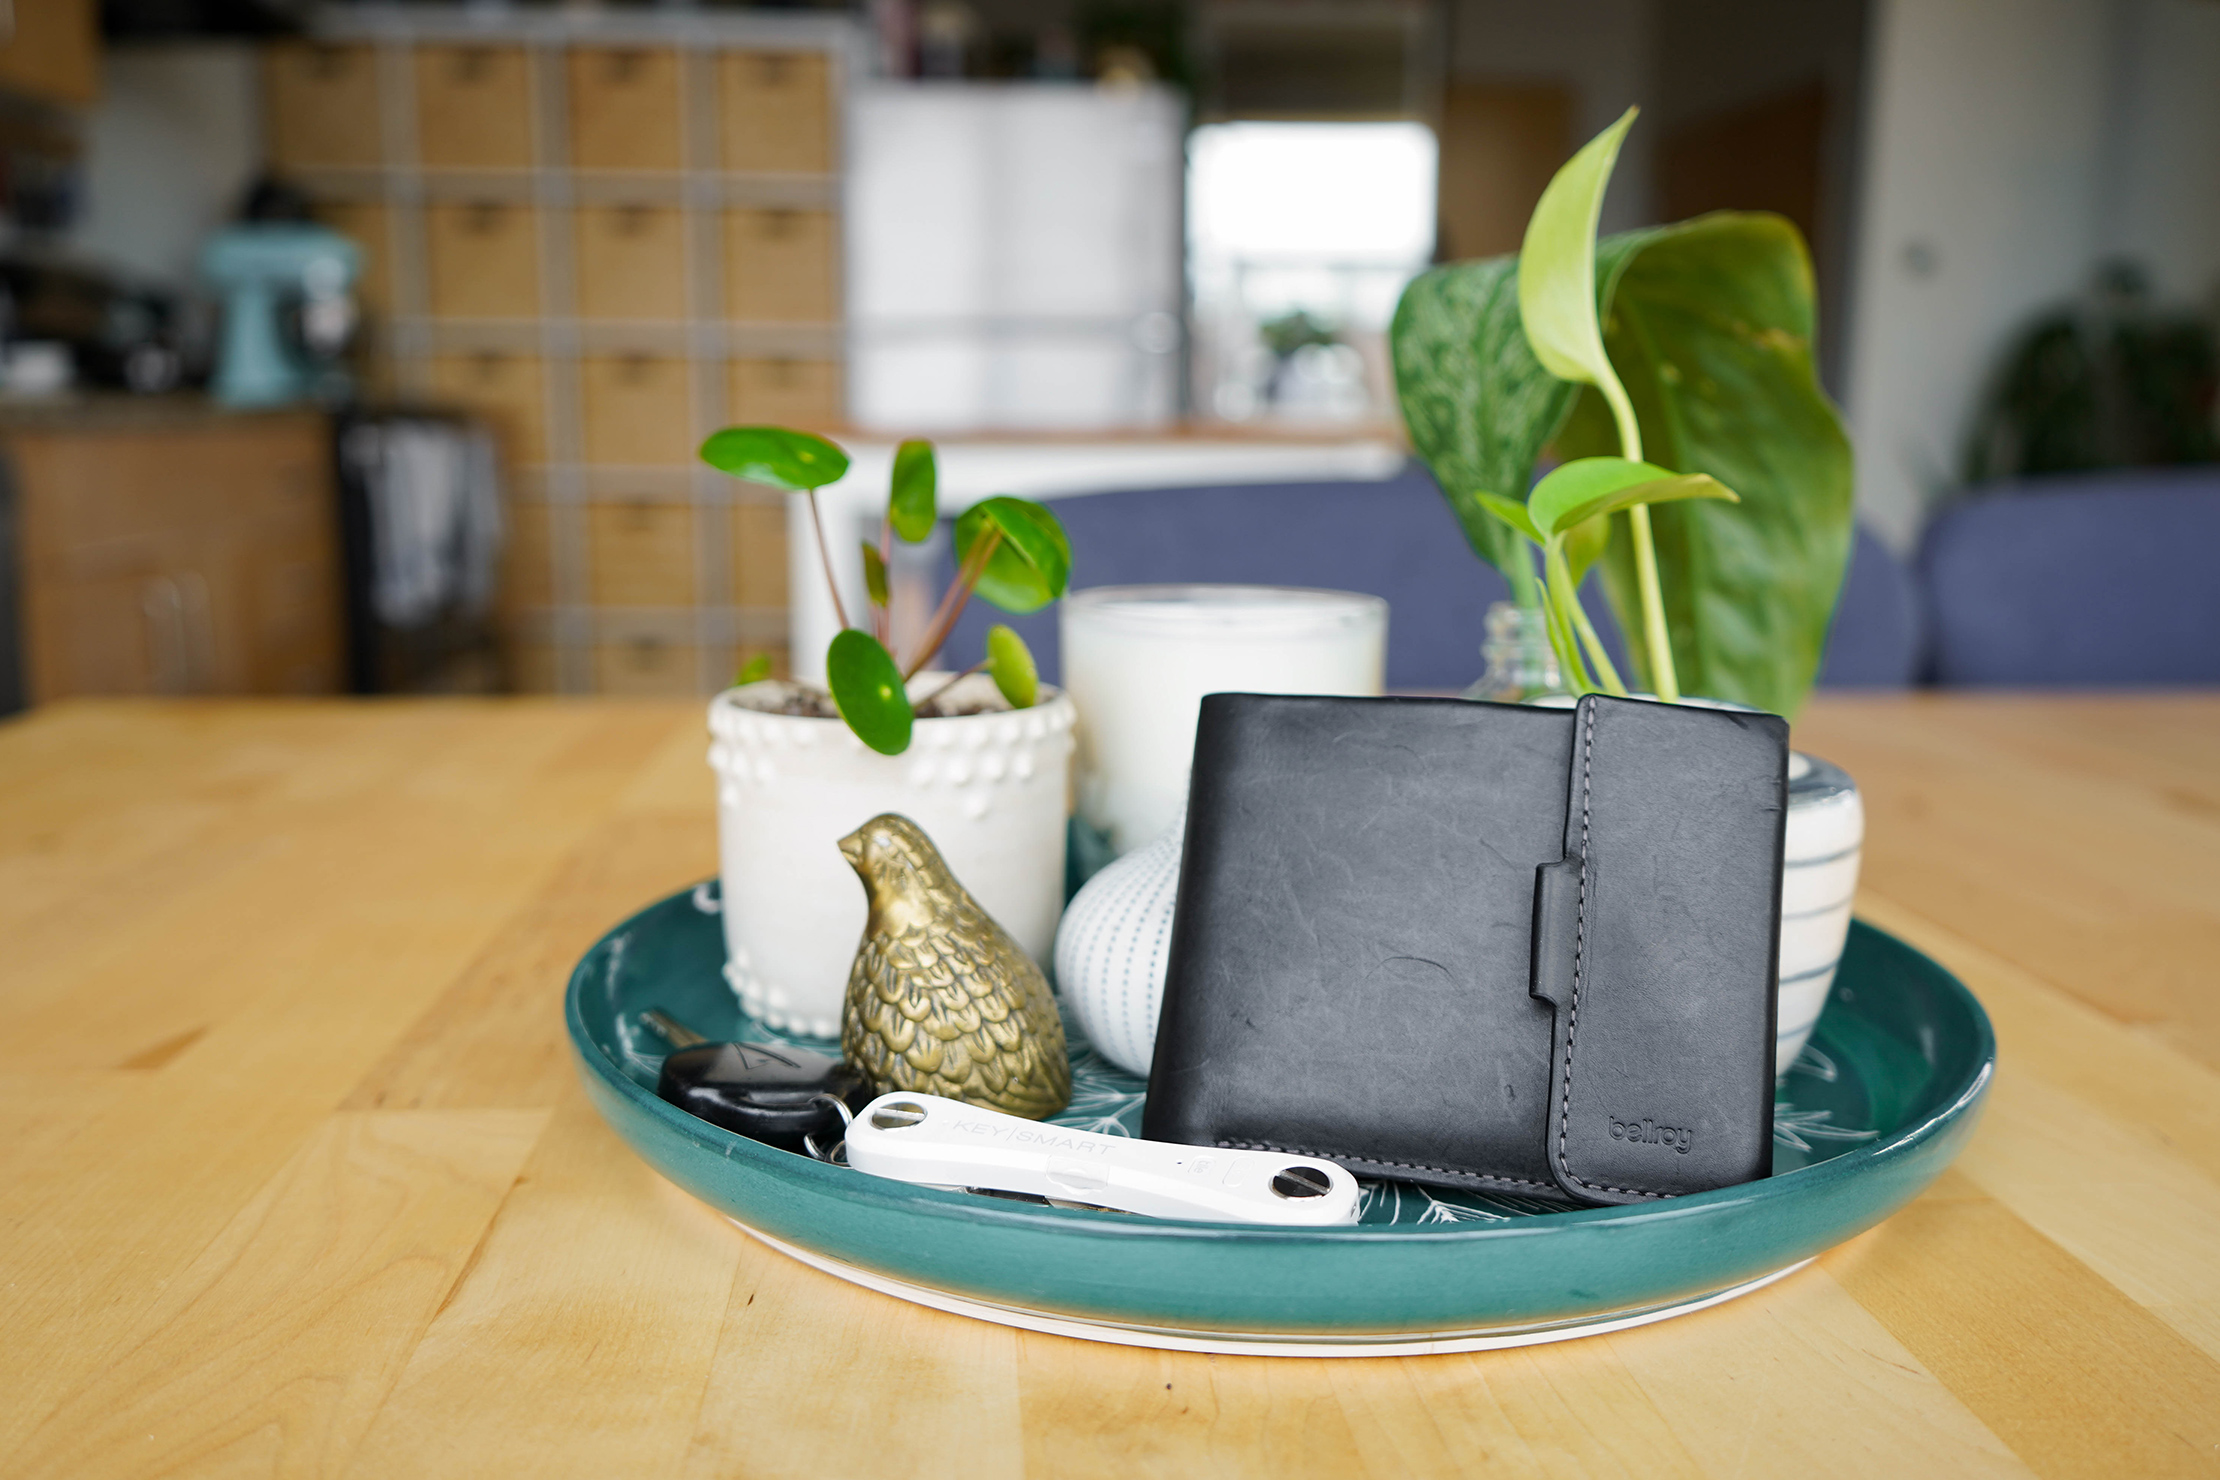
{"points": [[991, 790], [1113, 946], [1117, 933]]}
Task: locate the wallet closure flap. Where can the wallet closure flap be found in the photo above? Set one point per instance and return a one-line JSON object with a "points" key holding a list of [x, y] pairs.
{"points": [[1656, 941]]}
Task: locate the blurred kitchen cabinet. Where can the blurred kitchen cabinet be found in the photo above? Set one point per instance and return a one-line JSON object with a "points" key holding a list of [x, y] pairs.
{"points": [[786, 392], [484, 258], [196, 554], [780, 267], [52, 51], [759, 550], [528, 556], [322, 103], [366, 224], [775, 112], [649, 665], [641, 553], [508, 390], [624, 109], [631, 262], [638, 411], [474, 107]]}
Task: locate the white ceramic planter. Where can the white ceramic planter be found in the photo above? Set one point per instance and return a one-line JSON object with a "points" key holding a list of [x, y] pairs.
{"points": [[1115, 942], [992, 791]]}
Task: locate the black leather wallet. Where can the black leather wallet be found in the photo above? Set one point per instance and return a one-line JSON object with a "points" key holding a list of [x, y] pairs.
{"points": [[1508, 949]]}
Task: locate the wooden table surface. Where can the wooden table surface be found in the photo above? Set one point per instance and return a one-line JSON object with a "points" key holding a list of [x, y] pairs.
{"points": [[295, 1178]]}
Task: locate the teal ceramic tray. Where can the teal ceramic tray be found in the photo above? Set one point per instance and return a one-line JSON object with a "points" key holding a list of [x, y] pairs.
{"points": [[1873, 1110]]}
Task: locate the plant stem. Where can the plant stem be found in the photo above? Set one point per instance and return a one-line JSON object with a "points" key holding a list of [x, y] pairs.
{"points": [[952, 605], [1526, 589], [824, 552], [1654, 635], [927, 701], [1570, 667], [1560, 574]]}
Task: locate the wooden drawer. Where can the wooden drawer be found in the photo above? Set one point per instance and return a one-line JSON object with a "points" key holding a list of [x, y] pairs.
{"points": [[474, 107], [200, 558], [366, 224], [631, 263], [759, 551], [786, 392], [636, 411], [641, 553], [780, 267], [624, 112], [322, 104], [484, 258], [533, 667], [775, 112], [528, 557], [647, 666], [510, 391]]}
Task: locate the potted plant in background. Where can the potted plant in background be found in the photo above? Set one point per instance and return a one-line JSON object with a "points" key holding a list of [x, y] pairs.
{"points": [[979, 760], [1667, 366]]}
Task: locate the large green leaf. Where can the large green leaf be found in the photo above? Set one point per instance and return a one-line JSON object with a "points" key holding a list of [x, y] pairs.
{"points": [[1031, 561], [1710, 325], [1479, 406], [777, 456]]}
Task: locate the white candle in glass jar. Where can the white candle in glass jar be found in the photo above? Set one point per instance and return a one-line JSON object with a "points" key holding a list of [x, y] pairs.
{"points": [[1137, 661]]}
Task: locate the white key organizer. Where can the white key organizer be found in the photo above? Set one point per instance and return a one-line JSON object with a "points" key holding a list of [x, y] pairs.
{"points": [[945, 1143]]}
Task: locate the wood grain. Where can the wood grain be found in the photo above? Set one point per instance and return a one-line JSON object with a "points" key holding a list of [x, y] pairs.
{"points": [[295, 1177]]}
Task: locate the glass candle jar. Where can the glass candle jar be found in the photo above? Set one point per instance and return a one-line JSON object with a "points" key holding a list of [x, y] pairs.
{"points": [[1137, 661]]}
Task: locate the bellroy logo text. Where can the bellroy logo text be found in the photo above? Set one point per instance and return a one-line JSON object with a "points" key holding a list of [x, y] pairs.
{"points": [[1677, 1137]]}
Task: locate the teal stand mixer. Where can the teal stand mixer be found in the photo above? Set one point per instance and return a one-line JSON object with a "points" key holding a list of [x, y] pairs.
{"points": [[287, 312]]}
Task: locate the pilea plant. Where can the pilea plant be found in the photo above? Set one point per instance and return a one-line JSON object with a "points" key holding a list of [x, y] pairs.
{"points": [[1667, 365], [1010, 551]]}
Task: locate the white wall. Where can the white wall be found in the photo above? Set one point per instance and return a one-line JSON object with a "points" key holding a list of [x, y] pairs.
{"points": [[2160, 199], [170, 148], [2011, 146], [1986, 140]]}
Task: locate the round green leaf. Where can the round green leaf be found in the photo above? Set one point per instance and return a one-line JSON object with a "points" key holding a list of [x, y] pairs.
{"points": [[755, 670], [776, 456], [1031, 563], [909, 504], [867, 689], [1011, 663]]}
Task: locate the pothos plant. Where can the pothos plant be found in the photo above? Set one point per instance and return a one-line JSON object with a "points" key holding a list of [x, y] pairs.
{"points": [[1672, 368], [1010, 551]]}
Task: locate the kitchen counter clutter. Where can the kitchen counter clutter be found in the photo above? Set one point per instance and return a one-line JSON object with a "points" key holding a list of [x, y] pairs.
{"points": [[296, 1174]]}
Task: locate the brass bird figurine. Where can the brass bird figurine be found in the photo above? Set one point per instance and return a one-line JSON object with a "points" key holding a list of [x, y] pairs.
{"points": [[941, 1001]]}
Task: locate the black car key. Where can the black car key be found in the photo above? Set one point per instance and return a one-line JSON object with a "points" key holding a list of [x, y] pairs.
{"points": [[769, 1092]]}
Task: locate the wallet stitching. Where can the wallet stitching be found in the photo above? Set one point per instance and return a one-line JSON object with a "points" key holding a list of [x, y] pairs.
{"points": [[1413, 1166], [1580, 927]]}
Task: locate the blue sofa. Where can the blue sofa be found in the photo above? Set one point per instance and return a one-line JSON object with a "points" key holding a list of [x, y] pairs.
{"points": [[1398, 539]]}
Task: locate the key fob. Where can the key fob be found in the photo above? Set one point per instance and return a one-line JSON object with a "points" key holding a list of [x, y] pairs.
{"points": [[764, 1091]]}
